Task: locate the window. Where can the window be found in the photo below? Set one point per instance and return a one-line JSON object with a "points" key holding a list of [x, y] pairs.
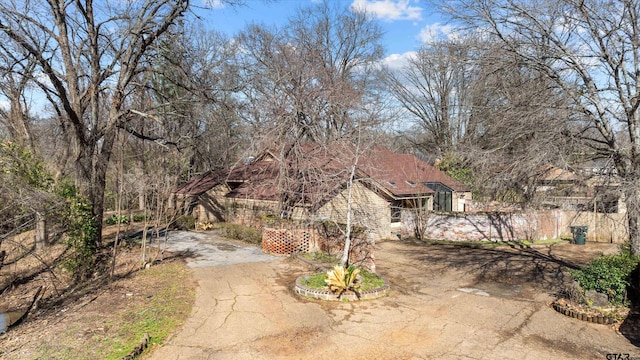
{"points": [[442, 198], [396, 212]]}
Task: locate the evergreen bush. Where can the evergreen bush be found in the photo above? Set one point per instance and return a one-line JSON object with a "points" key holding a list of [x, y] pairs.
{"points": [[610, 275]]}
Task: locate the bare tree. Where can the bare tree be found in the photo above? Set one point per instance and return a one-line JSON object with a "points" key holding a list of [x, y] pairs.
{"points": [[313, 75], [434, 90], [16, 71], [89, 55], [206, 73], [312, 81], [590, 51], [515, 128], [311, 95], [478, 110]]}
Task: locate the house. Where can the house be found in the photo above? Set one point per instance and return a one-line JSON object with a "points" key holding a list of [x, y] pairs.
{"points": [[552, 179], [312, 185], [590, 191]]}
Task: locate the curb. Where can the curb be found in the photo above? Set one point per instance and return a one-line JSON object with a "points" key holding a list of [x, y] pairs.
{"points": [[327, 295], [596, 319]]}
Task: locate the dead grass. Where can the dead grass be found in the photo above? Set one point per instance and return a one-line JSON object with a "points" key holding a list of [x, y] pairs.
{"points": [[102, 320]]}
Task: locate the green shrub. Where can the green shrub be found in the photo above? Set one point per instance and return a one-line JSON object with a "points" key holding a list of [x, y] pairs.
{"points": [[141, 217], [185, 222], [610, 275], [269, 220], [114, 219], [320, 256], [243, 233], [331, 229], [82, 232]]}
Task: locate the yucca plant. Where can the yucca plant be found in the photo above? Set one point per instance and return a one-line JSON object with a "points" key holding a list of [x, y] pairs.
{"points": [[340, 280], [205, 226]]}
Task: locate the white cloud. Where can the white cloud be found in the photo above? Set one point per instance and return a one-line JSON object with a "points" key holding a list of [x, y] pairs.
{"points": [[437, 31], [389, 10], [397, 61], [213, 4]]}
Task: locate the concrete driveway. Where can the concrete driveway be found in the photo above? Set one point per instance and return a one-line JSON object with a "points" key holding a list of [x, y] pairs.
{"points": [[446, 302], [207, 249]]}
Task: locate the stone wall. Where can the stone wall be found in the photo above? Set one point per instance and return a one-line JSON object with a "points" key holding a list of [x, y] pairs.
{"points": [[368, 209], [509, 226], [474, 227]]}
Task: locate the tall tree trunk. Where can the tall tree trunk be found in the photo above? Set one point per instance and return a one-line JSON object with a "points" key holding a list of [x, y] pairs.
{"points": [[633, 216], [100, 180], [93, 161], [344, 261], [352, 175]]}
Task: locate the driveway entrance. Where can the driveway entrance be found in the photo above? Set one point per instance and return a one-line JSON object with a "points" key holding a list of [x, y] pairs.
{"points": [[446, 302], [207, 249]]}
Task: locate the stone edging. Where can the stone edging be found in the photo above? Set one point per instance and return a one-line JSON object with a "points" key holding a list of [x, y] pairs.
{"points": [[347, 296], [599, 319], [144, 343]]}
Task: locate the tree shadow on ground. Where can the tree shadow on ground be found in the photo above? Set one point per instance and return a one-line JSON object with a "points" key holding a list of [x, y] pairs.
{"points": [[507, 264], [90, 290], [542, 268], [63, 293], [630, 327]]}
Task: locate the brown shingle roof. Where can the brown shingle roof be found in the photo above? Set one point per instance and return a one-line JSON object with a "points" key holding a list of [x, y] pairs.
{"points": [[254, 181], [404, 174], [203, 183], [323, 172], [312, 176]]}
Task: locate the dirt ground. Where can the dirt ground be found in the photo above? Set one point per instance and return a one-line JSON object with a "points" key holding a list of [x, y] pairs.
{"points": [[79, 322], [249, 311]]}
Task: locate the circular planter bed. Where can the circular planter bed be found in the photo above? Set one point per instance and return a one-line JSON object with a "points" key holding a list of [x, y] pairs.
{"points": [[328, 295], [596, 316]]}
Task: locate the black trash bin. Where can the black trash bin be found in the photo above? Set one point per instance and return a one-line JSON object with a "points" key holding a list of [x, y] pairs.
{"points": [[579, 234]]}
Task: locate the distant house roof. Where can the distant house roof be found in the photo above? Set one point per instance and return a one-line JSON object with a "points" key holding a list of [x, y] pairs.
{"points": [[552, 173], [318, 173]]}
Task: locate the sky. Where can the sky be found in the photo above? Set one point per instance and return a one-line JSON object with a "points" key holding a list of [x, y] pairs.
{"points": [[406, 23]]}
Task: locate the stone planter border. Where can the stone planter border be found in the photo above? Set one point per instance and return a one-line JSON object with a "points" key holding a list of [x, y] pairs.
{"points": [[596, 319], [328, 295]]}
